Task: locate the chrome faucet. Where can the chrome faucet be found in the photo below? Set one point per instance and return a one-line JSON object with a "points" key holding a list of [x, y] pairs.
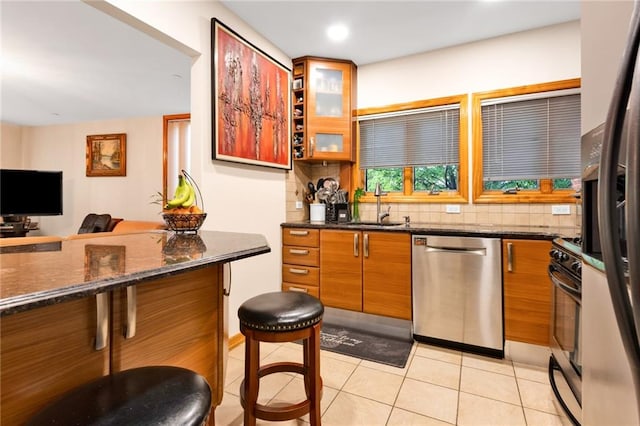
{"points": [[378, 193]]}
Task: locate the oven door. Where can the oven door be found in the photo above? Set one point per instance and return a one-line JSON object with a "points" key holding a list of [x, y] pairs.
{"points": [[565, 341]]}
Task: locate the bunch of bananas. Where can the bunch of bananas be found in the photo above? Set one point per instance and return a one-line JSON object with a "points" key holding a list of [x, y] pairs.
{"points": [[184, 198]]}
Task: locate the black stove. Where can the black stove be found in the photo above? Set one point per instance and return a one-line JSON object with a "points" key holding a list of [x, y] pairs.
{"points": [[566, 253], [565, 363]]}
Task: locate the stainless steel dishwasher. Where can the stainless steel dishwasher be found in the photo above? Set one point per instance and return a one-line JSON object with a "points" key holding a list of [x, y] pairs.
{"points": [[457, 293]]}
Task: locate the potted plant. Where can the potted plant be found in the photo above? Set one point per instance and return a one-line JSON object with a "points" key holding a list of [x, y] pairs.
{"points": [[356, 204]]}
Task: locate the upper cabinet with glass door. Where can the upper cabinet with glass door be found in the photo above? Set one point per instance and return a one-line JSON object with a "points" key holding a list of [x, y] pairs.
{"points": [[324, 99]]}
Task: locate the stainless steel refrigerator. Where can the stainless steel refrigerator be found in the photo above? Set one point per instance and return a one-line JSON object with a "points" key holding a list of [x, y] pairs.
{"points": [[611, 214]]}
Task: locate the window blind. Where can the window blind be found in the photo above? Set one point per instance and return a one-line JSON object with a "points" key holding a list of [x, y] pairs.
{"points": [[415, 138], [531, 139]]}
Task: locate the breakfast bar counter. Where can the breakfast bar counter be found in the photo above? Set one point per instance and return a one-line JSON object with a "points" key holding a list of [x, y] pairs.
{"points": [[79, 309]]}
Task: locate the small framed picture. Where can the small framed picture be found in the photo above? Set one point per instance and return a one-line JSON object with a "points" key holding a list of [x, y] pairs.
{"points": [[107, 155], [297, 84]]}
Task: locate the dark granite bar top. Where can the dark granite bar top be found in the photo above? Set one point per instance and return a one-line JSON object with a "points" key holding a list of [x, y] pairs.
{"points": [[452, 229], [84, 267]]}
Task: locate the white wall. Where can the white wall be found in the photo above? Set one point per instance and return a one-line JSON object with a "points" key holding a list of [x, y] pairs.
{"points": [[63, 147], [237, 198], [536, 56], [10, 148], [530, 57], [252, 199], [603, 40]]}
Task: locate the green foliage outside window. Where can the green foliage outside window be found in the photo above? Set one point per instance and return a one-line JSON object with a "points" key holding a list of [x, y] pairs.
{"points": [[441, 177], [562, 183], [501, 185], [390, 179], [529, 184]]}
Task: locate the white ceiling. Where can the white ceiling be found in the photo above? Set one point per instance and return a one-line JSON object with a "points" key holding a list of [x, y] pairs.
{"points": [[66, 62], [386, 29]]}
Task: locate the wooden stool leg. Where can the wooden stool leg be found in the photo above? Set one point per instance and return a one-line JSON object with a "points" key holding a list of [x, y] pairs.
{"points": [[251, 379], [305, 362], [313, 373]]}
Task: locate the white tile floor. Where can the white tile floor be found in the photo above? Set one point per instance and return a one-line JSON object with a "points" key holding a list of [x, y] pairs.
{"points": [[437, 387]]}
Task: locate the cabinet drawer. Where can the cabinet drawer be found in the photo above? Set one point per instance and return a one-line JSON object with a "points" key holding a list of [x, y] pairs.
{"points": [[300, 274], [300, 255], [300, 237], [314, 291]]}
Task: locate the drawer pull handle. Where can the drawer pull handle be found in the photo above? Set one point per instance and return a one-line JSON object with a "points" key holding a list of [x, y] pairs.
{"points": [[366, 245], [299, 233], [301, 290], [299, 251], [299, 271], [510, 257], [356, 244], [130, 327], [102, 321]]}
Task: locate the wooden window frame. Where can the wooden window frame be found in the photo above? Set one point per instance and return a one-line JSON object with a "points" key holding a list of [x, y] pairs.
{"points": [[166, 119], [546, 193], [409, 195]]}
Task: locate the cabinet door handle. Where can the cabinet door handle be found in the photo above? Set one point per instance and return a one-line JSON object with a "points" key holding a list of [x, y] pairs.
{"points": [[299, 289], [299, 233], [299, 271], [299, 251], [130, 326], [102, 320], [356, 244], [510, 257], [226, 291], [311, 146], [365, 242]]}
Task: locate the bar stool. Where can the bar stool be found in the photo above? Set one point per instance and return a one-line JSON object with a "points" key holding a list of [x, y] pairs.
{"points": [[281, 317], [158, 395]]}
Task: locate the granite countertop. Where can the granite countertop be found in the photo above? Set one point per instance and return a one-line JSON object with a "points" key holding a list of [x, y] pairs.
{"points": [[83, 267], [452, 229]]}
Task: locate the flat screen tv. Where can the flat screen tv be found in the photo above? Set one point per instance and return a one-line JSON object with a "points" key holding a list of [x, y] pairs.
{"points": [[30, 193]]}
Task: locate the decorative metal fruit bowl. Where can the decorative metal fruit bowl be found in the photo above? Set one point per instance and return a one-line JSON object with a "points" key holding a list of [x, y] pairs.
{"points": [[182, 213], [187, 222]]}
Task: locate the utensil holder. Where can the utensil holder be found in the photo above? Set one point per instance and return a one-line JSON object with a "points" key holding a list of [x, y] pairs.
{"points": [[317, 212], [337, 212]]}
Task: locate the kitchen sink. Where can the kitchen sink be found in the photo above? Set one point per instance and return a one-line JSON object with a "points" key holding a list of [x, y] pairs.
{"points": [[373, 224]]}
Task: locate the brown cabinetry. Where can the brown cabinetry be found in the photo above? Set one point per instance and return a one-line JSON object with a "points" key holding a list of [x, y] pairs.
{"points": [[341, 269], [527, 290], [366, 271], [48, 351], [324, 98], [178, 322], [300, 260], [386, 272]]}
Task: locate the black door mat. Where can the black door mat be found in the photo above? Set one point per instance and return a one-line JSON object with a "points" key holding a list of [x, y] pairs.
{"points": [[365, 345]]}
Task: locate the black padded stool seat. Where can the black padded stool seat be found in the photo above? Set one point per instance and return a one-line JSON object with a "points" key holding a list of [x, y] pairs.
{"points": [[158, 395], [281, 317], [280, 311]]}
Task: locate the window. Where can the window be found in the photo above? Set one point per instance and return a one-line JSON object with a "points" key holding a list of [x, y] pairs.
{"points": [[415, 151], [527, 143], [176, 147]]}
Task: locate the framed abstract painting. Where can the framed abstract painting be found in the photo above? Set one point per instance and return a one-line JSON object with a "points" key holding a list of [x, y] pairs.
{"points": [[251, 102]]}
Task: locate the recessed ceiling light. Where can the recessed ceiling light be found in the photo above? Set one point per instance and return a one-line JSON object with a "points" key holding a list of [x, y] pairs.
{"points": [[337, 32]]}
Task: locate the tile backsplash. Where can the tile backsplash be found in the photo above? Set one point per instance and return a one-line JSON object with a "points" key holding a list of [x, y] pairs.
{"points": [[494, 214]]}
